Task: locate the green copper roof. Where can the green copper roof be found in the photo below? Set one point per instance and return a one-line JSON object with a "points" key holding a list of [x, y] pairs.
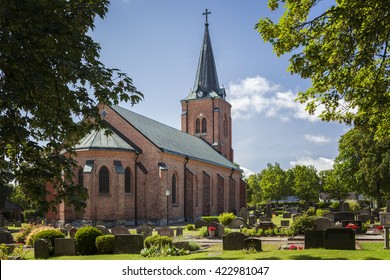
{"points": [[174, 141], [98, 140]]}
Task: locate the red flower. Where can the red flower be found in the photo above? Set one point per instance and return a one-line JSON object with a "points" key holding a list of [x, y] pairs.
{"points": [[212, 229], [379, 227], [293, 247], [352, 226]]}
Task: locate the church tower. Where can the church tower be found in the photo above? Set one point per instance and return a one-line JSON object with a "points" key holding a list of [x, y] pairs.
{"points": [[205, 111]]}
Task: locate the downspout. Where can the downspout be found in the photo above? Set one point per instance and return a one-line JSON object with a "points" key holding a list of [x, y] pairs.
{"points": [[136, 189], [185, 188], [186, 116]]}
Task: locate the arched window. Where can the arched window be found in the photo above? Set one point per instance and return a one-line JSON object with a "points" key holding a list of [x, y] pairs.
{"points": [[81, 176], [174, 189], [197, 126], [104, 180], [204, 126], [128, 180]]}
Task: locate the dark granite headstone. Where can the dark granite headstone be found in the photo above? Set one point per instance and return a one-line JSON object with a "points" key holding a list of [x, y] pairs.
{"points": [[340, 216], [237, 222], [233, 241], [120, 230], [64, 247], [41, 249], [253, 242], [145, 229], [339, 239], [6, 237], [128, 243], [322, 223], [314, 239]]}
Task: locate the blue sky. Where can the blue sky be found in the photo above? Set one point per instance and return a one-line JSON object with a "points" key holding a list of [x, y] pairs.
{"points": [[157, 43]]}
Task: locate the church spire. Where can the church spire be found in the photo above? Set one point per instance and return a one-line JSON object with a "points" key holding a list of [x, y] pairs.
{"points": [[206, 79]]}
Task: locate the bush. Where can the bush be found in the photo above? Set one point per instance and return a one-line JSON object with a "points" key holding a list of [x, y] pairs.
{"points": [[29, 215], [85, 239], [354, 206], [311, 211], [203, 231], [7, 253], [321, 212], [209, 219], [105, 244], [190, 227], [35, 230], [303, 223], [226, 218], [49, 235], [21, 236], [156, 251], [335, 205], [321, 204], [157, 240]]}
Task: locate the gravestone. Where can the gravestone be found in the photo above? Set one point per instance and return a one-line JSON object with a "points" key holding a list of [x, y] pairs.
{"points": [[41, 249], [220, 229], [253, 242], [233, 241], [179, 231], [268, 210], [285, 223], [322, 223], [345, 207], [265, 225], [61, 224], [200, 224], [67, 227], [339, 239], [128, 243], [314, 239], [366, 218], [72, 232], [145, 229], [99, 223], [252, 220], [166, 231], [6, 237], [64, 247], [120, 230], [103, 229], [286, 215], [292, 210], [265, 219], [329, 215], [244, 213], [364, 211], [237, 222], [86, 223], [181, 245], [340, 216]]}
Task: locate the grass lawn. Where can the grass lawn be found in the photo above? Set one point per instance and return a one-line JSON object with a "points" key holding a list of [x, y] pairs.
{"points": [[369, 251]]}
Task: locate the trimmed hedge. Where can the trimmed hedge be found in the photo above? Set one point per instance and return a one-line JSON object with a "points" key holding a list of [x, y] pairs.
{"points": [[85, 239]]}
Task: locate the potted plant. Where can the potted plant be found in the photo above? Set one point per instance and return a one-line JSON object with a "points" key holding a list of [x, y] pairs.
{"points": [[211, 231]]}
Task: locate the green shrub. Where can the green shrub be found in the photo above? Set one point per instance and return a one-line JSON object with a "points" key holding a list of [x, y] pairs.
{"points": [[85, 238], [21, 236], [227, 231], [9, 253], [321, 212], [335, 205], [157, 240], [190, 227], [321, 204], [209, 219], [193, 246], [203, 231], [35, 230], [49, 235], [29, 215], [225, 218], [354, 206], [105, 244], [156, 251], [311, 211], [303, 223]]}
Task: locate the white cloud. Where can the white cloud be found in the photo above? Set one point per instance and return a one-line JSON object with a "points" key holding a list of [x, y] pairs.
{"points": [[247, 172], [320, 163], [317, 139], [257, 95]]}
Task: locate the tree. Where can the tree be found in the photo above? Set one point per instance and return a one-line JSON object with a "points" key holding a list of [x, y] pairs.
{"points": [[363, 163], [51, 81], [333, 184], [306, 183], [344, 50], [254, 193], [274, 183]]}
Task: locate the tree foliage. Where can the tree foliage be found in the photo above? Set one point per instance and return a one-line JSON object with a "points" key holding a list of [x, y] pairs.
{"points": [[274, 183], [51, 81], [363, 163], [334, 185], [306, 182], [345, 51], [254, 193]]}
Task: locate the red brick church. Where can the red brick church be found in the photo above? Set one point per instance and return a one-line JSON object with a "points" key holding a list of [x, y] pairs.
{"points": [[148, 172]]}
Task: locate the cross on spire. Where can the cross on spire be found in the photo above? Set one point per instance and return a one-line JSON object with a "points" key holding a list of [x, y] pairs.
{"points": [[206, 13]]}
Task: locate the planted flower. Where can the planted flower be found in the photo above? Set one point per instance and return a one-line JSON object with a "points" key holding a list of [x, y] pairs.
{"points": [[211, 228], [352, 226]]}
